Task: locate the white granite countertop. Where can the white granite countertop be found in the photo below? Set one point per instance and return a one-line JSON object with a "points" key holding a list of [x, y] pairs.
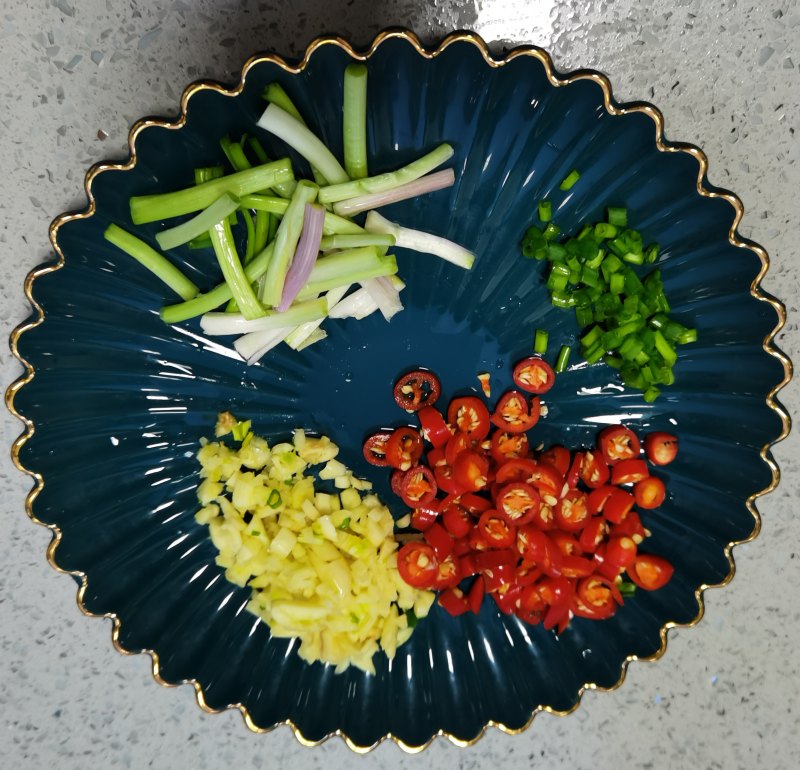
{"points": [[77, 73]]}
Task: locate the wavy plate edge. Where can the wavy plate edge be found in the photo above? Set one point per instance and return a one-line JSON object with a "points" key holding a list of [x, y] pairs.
{"points": [[556, 79]]}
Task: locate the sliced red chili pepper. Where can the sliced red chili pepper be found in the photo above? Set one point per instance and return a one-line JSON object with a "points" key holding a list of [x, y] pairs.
{"points": [[518, 501], [436, 457], [534, 374], [593, 534], [496, 529], [416, 390], [418, 487], [531, 600], [448, 574], [508, 446], [617, 506], [475, 504], [649, 492], [650, 572], [545, 518], [477, 543], [469, 415], [439, 539], [476, 593], [506, 598], [514, 414], [574, 472], [445, 481], [434, 428], [629, 471], [527, 573], [404, 448], [498, 578], [594, 471], [461, 546], [603, 566], [489, 560], [459, 442], [375, 449], [515, 470], [566, 543], [423, 518], [471, 471], [631, 526], [620, 551], [548, 481], [618, 443], [572, 511], [557, 456], [417, 564], [596, 598], [454, 602], [598, 498], [576, 566], [466, 563], [456, 520], [535, 546], [661, 448], [558, 593], [396, 481]]}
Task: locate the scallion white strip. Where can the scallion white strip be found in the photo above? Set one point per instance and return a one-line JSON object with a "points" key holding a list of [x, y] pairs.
{"points": [[416, 240], [422, 186], [383, 182], [298, 137], [217, 324], [254, 345], [385, 295], [221, 208], [316, 336], [297, 336]]}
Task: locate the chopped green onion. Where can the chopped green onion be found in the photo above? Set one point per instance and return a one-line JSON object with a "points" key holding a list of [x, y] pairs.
{"points": [[241, 429], [687, 336], [545, 211], [156, 263], [207, 173], [603, 230], [534, 245], [551, 231], [234, 152], [617, 216], [563, 359], [540, 342], [286, 242], [274, 500], [354, 112], [233, 272], [651, 253], [149, 208], [388, 181], [198, 225], [626, 588], [569, 180], [651, 394]]}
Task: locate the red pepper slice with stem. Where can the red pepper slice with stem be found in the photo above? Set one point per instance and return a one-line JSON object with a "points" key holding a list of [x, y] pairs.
{"points": [[469, 415], [418, 486], [417, 564], [375, 449], [416, 390], [661, 448], [534, 375], [404, 448], [514, 414], [433, 426]]}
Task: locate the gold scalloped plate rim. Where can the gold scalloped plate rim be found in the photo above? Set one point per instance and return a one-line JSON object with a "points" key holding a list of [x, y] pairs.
{"points": [[556, 80]]}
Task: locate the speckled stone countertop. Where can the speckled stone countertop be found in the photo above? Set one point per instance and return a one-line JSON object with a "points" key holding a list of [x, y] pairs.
{"points": [[77, 73]]}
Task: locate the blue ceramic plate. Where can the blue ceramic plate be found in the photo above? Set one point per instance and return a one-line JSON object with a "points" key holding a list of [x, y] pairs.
{"points": [[119, 400]]}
